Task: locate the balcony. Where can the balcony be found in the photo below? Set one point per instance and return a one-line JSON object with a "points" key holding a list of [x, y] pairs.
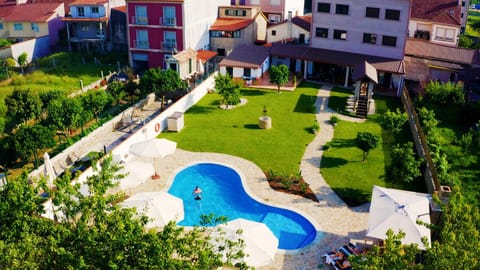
{"points": [[141, 44], [169, 45], [141, 20], [168, 21]]}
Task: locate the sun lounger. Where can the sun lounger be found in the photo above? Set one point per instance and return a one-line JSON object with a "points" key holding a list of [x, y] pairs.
{"points": [[343, 265], [345, 251], [353, 249]]}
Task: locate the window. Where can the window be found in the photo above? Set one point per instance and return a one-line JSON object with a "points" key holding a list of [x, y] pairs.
{"points": [[274, 18], [236, 12], [81, 11], [254, 2], [463, 3], [142, 39], [389, 41], [275, 2], [141, 15], [369, 38], [372, 12], [169, 16], [84, 27], [392, 14], [274, 32], [94, 10], [34, 27], [1, 26], [18, 26], [323, 7], [321, 32], [340, 34], [170, 40], [444, 34], [341, 9]]}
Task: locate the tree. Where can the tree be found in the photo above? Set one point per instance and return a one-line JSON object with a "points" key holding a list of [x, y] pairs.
{"points": [[457, 246], [23, 105], [445, 93], [160, 81], [132, 89], [95, 101], [279, 75], [394, 121], [464, 41], [22, 60], [29, 139], [116, 90], [94, 231], [367, 141], [394, 255], [228, 89], [405, 167], [66, 114], [48, 96]]}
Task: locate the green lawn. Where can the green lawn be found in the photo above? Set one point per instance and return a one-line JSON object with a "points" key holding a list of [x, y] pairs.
{"points": [[338, 99], [473, 24], [342, 165], [211, 129], [69, 69]]}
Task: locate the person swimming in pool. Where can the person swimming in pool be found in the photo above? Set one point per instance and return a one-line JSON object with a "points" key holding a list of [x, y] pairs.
{"points": [[197, 192]]}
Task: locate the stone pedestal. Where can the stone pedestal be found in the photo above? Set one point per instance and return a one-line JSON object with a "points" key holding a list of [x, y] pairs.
{"points": [[265, 122]]}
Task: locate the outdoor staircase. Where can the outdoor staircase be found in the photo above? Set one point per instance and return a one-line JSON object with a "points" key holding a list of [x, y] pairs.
{"points": [[362, 106]]}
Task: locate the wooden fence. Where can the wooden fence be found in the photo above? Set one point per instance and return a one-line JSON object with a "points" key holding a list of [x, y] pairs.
{"points": [[431, 176]]}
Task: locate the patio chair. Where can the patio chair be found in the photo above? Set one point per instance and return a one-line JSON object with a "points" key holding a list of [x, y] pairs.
{"points": [[353, 249]]}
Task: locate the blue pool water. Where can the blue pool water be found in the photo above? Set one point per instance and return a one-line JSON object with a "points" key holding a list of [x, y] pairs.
{"points": [[224, 195]]}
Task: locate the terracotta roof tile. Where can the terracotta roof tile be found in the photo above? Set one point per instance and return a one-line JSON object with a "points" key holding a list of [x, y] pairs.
{"points": [[230, 24], [205, 55], [6, 10], [7, 3], [303, 21], [439, 11], [32, 12], [88, 2], [428, 50], [247, 56], [121, 9]]}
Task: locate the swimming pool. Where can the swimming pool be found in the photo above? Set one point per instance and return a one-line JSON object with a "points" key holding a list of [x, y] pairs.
{"points": [[224, 195]]}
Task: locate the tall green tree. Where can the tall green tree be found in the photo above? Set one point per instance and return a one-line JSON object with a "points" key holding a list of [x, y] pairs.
{"points": [[116, 90], [394, 121], [29, 139], [366, 141], [23, 105], [394, 255], [405, 167], [65, 114], [22, 61], [96, 102], [444, 93], [279, 75], [228, 89], [160, 81]]}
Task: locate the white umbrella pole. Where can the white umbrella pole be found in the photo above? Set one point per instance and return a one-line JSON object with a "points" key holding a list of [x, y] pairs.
{"points": [[155, 165]]}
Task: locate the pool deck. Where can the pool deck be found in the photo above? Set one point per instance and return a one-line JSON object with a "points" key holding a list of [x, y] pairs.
{"points": [[337, 223]]}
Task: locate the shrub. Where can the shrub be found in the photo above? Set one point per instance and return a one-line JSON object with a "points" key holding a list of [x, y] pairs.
{"points": [[315, 127], [287, 183], [304, 187], [334, 119]]}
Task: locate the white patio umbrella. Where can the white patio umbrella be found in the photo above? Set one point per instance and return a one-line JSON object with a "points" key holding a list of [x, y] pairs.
{"points": [[136, 171], [260, 242], [154, 149], [161, 207], [48, 170], [399, 210], [200, 69]]}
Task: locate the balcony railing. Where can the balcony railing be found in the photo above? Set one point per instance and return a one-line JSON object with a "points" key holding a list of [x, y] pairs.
{"points": [[141, 44], [168, 21], [169, 45], [140, 20]]}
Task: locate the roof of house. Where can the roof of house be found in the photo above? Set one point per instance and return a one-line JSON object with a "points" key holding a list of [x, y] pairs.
{"points": [[121, 9], [71, 19], [184, 55], [7, 3], [419, 48], [439, 11], [301, 21], [337, 57], [205, 55], [230, 24], [5, 11], [88, 2], [246, 56], [40, 12], [365, 70]]}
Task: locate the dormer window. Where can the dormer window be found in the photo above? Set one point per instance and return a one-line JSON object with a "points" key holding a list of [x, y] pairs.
{"points": [[94, 10]]}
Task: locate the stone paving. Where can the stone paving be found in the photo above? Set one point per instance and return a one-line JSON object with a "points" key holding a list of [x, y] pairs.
{"points": [[336, 223]]}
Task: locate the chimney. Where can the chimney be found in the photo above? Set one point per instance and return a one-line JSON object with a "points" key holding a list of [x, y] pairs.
{"points": [[289, 25]]}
